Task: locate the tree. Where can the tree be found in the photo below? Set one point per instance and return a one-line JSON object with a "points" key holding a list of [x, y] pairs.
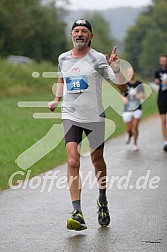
{"points": [[102, 41], [136, 33], [149, 57], [146, 40], [29, 28]]}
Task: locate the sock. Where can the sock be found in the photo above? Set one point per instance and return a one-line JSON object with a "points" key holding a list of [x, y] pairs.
{"points": [[77, 205], [165, 143], [102, 196]]}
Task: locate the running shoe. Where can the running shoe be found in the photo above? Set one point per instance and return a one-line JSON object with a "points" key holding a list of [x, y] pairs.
{"points": [[165, 148], [103, 214], [135, 147], [76, 221]]}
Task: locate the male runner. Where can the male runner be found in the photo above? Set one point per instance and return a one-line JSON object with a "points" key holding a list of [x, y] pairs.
{"points": [[82, 70], [161, 80]]}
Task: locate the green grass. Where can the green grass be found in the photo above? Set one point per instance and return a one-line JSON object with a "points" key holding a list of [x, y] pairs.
{"points": [[16, 79], [19, 130]]}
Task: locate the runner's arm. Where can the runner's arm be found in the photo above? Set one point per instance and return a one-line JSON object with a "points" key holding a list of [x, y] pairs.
{"points": [[157, 81], [157, 78], [114, 63], [59, 93]]}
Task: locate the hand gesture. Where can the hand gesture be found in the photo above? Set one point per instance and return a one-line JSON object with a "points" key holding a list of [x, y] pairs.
{"points": [[113, 56], [113, 60]]}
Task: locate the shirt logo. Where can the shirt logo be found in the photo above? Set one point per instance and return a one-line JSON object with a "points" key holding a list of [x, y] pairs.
{"points": [[76, 69]]}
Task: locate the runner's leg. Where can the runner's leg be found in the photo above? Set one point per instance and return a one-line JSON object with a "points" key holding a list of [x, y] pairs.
{"points": [[100, 167], [135, 129], [129, 131], [73, 161], [100, 171], [163, 126]]}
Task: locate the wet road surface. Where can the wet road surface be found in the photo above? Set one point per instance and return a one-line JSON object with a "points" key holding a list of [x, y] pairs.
{"points": [[31, 220]]}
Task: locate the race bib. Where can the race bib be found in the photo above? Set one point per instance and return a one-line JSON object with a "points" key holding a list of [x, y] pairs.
{"points": [[77, 84], [132, 105]]}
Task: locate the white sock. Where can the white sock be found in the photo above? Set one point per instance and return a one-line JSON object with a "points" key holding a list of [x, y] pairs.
{"points": [[165, 143]]}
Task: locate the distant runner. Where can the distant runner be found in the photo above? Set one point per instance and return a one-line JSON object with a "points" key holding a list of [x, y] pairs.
{"points": [[132, 108], [161, 81]]}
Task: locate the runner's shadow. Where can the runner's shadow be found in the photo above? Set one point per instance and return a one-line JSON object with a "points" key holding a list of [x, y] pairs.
{"points": [[76, 242], [77, 237]]}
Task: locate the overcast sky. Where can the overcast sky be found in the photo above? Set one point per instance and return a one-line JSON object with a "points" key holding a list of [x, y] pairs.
{"points": [[106, 4]]}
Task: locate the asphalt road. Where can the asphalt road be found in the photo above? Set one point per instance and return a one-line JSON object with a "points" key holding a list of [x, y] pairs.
{"points": [[31, 220]]}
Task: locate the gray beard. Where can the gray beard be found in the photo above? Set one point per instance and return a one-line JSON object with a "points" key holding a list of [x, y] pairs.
{"points": [[80, 45]]}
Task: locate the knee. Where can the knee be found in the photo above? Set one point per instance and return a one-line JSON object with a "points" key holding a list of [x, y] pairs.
{"points": [[73, 163], [135, 128], [98, 161]]}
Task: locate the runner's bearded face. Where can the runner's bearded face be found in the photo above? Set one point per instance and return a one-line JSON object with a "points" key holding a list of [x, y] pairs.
{"points": [[80, 37]]}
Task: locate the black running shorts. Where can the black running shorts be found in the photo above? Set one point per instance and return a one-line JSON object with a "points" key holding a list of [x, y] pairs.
{"points": [[162, 106], [94, 131]]}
